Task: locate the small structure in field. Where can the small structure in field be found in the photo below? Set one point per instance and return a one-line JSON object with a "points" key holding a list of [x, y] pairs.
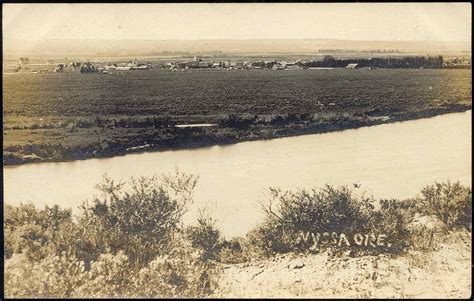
{"points": [[352, 66]]}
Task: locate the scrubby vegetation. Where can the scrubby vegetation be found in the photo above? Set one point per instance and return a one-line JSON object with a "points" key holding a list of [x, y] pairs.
{"points": [[289, 214], [130, 240]]}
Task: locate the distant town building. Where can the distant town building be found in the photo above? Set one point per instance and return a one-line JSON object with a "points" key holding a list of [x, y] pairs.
{"points": [[292, 66], [133, 63], [277, 67]]}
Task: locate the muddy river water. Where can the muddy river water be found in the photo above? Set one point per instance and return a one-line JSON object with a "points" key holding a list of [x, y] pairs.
{"points": [[388, 161]]}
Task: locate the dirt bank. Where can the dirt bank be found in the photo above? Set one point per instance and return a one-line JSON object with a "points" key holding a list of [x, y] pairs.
{"points": [[442, 273]]}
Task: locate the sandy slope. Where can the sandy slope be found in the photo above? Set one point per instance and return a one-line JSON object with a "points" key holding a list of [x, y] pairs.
{"points": [[443, 273]]}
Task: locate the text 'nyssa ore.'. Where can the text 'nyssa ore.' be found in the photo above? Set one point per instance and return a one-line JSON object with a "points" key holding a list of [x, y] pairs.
{"points": [[326, 239]]}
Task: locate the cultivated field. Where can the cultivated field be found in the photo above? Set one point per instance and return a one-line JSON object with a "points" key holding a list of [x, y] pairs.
{"points": [[68, 116], [157, 92]]}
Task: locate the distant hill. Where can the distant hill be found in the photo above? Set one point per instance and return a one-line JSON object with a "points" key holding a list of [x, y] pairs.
{"points": [[61, 48]]}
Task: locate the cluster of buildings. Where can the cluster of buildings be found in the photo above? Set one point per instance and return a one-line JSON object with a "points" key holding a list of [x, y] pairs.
{"points": [[109, 68], [197, 63], [328, 62], [24, 65], [458, 63]]}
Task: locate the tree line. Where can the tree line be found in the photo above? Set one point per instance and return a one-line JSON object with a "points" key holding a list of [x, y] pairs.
{"points": [[391, 62]]}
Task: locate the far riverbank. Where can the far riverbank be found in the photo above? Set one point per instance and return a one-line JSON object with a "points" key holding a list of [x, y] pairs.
{"points": [[32, 145]]}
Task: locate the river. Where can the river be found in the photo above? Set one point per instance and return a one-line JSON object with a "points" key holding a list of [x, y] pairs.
{"points": [[389, 161]]}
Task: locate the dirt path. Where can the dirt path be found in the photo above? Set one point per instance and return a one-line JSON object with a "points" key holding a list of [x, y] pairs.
{"points": [[444, 273]]}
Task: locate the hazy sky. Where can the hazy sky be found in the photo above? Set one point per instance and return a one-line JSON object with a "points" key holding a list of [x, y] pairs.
{"points": [[382, 21]]}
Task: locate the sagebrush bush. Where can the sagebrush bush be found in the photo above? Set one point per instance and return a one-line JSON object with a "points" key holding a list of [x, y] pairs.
{"points": [[330, 209], [183, 274], [205, 236], [109, 276], [391, 219], [37, 233], [289, 213], [141, 221], [451, 203], [327, 209], [234, 251], [52, 276], [267, 239], [426, 233]]}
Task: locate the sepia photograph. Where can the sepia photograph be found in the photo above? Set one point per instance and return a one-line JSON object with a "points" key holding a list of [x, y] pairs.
{"points": [[237, 150]]}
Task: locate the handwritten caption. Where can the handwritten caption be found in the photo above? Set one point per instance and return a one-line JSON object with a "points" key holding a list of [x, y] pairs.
{"points": [[368, 240]]}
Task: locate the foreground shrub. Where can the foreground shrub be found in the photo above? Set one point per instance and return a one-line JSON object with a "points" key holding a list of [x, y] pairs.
{"points": [[206, 239], [451, 203], [234, 251], [205, 236], [182, 274], [52, 276], [109, 276], [328, 213], [141, 221], [426, 232], [177, 275], [391, 219], [37, 233], [289, 213]]}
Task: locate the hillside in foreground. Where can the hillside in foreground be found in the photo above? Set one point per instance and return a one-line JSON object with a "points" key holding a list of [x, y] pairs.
{"points": [[441, 273], [326, 242]]}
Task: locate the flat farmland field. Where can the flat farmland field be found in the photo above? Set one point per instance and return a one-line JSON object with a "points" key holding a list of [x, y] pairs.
{"points": [[70, 116], [201, 92]]}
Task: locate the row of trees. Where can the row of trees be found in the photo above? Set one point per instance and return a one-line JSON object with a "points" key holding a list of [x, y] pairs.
{"points": [[391, 62]]}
